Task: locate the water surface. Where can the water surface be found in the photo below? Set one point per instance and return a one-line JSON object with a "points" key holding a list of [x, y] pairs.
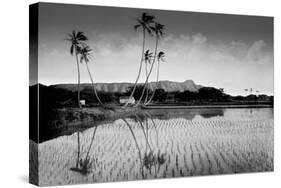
{"points": [[162, 143]]}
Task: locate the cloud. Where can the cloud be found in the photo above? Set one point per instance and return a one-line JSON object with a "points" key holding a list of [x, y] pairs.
{"points": [[111, 48], [256, 54], [197, 48], [116, 58]]}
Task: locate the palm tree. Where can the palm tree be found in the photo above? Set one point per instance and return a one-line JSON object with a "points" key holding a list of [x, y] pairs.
{"points": [[145, 23], [160, 58], [147, 59], [158, 31], [77, 39], [85, 52]]}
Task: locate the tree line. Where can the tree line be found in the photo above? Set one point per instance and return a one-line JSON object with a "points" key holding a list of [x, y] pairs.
{"points": [[51, 97]]}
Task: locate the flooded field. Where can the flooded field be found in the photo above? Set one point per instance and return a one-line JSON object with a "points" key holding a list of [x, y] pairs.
{"points": [[162, 144]]}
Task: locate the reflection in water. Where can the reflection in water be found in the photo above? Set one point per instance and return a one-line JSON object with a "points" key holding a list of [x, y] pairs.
{"points": [[84, 165], [188, 114], [159, 144], [150, 157], [136, 142], [209, 113]]}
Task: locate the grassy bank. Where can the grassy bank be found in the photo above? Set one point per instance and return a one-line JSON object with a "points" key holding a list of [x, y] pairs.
{"points": [[72, 116], [64, 121]]}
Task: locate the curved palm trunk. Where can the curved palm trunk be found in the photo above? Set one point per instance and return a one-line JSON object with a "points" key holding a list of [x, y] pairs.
{"points": [[157, 79], [147, 89], [92, 140], [146, 125], [139, 73], [150, 71], [78, 86], [78, 152], [96, 94], [156, 131], [157, 143], [142, 93], [145, 135], [149, 86]]}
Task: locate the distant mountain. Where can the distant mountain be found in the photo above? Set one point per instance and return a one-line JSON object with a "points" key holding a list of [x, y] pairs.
{"points": [[168, 86]]}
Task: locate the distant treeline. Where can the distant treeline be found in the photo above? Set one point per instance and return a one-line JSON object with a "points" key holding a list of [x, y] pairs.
{"points": [[51, 97]]}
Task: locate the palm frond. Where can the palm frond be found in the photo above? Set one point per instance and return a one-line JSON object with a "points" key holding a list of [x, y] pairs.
{"points": [[147, 18], [150, 18], [81, 59], [148, 56], [81, 37], [161, 56], [85, 52], [78, 48], [136, 27], [148, 30], [68, 39], [73, 33], [152, 28], [71, 49], [158, 29], [143, 16]]}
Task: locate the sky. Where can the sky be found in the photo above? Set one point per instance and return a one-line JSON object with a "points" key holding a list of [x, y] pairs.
{"points": [[233, 52]]}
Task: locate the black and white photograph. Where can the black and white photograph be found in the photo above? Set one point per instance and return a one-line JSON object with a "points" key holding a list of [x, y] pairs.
{"points": [[122, 94]]}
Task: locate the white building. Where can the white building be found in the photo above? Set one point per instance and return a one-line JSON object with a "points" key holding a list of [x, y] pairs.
{"points": [[83, 102], [125, 99]]}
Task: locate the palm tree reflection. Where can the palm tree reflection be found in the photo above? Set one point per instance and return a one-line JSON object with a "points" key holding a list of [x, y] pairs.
{"points": [[137, 145], [84, 165], [151, 158]]}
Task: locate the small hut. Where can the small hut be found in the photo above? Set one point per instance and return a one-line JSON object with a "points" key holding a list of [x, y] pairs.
{"points": [[127, 99], [83, 102]]}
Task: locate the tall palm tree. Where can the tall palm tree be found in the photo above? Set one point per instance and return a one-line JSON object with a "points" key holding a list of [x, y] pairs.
{"points": [[85, 55], [147, 59], [145, 23], [76, 39], [160, 58], [158, 31]]}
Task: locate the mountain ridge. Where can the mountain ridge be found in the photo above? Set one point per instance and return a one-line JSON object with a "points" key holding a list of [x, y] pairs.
{"points": [[122, 87]]}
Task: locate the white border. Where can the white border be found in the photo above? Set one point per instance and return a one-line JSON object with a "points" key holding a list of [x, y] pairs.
{"points": [[14, 90]]}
